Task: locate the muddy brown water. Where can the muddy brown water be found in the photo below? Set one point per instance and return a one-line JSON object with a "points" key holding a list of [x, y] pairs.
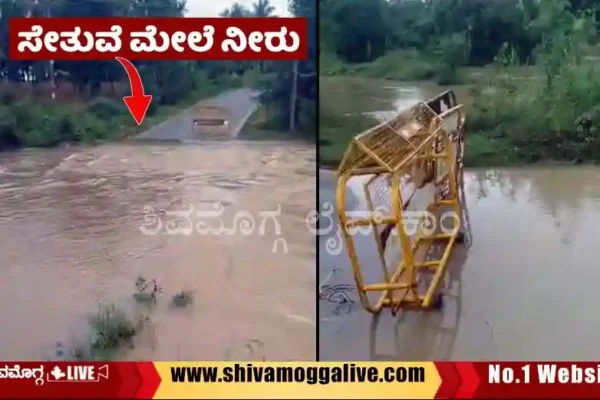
{"points": [[70, 238], [526, 286], [377, 97]]}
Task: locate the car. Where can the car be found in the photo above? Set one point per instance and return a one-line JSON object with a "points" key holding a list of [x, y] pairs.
{"points": [[211, 122]]}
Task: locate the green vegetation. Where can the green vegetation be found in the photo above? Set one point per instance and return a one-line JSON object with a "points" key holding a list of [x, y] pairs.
{"points": [[42, 122], [112, 329], [275, 119], [45, 104], [531, 69], [146, 292], [335, 132]]}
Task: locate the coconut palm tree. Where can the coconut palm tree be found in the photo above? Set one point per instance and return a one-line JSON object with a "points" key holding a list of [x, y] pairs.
{"points": [[263, 8], [236, 11]]}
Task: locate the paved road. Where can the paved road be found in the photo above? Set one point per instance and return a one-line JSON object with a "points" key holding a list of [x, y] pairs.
{"points": [[241, 103]]}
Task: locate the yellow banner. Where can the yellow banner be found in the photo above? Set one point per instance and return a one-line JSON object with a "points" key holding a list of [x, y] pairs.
{"points": [[296, 380]]}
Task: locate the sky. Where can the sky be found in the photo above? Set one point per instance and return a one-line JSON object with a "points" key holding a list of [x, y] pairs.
{"points": [[212, 8]]}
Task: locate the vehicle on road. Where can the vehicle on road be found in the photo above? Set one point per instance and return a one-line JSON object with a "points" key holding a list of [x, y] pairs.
{"points": [[211, 122]]}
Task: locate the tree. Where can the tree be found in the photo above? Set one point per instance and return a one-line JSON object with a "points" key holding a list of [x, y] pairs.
{"points": [[278, 92], [236, 11], [262, 8]]}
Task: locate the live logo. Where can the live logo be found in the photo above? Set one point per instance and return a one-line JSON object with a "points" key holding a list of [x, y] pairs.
{"points": [[81, 373], [78, 373]]}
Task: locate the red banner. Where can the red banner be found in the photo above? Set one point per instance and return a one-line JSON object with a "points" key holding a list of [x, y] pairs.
{"points": [[90, 380], [158, 38], [463, 380], [519, 380]]}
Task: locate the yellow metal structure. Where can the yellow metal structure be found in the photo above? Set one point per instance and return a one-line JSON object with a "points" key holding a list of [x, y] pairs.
{"points": [[420, 146]]}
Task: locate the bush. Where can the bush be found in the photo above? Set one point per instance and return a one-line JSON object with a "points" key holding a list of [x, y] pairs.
{"points": [[252, 78], [9, 137], [335, 132], [541, 119], [44, 125], [111, 327], [7, 98], [104, 108], [451, 53], [400, 65], [38, 123], [330, 64]]}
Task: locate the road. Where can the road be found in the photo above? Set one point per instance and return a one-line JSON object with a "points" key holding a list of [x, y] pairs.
{"points": [[241, 103]]}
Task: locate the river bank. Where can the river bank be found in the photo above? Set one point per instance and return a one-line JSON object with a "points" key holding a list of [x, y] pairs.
{"points": [[513, 116], [38, 122]]}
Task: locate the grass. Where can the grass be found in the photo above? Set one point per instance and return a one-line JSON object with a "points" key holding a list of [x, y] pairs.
{"points": [[523, 120], [44, 123], [112, 329], [265, 124], [398, 65], [335, 132], [516, 115], [257, 126]]}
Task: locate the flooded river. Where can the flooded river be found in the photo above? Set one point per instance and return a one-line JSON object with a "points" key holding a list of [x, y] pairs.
{"points": [[71, 236], [379, 98], [523, 288]]}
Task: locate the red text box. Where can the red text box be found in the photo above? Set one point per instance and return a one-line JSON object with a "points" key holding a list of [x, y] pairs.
{"points": [[158, 38]]}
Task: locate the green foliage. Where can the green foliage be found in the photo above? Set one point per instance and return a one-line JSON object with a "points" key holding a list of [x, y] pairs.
{"points": [[111, 328], [253, 78], [553, 115], [171, 83], [359, 30], [451, 52], [507, 56], [336, 130], [41, 124], [399, 65], [104, 108], [471, 32], [555, 118], [277, 94]]}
